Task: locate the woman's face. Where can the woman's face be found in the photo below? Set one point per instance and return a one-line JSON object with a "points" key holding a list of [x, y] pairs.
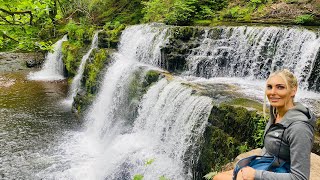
{"points": [[279, 95]]}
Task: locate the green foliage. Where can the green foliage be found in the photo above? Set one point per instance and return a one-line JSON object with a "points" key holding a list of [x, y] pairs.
{"points": [[156, 10], [23, 22], [111, 34], [210, 175], [243, 148], [306, 19], [138, 177], [181, 12], [163, 178], [259, 131], [93, 68], [78, 33], [99, 12], [71, 57], [148, 162]]}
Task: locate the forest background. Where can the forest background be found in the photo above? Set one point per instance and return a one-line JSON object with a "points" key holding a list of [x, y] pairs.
{"points": [[33, 25]]}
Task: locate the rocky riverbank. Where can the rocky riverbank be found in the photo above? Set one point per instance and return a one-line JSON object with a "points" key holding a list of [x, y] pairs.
{"points": [[19, 61]]}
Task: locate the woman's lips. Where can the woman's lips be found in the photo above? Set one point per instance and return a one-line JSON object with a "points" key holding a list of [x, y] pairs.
{"points": [[274, 99]]}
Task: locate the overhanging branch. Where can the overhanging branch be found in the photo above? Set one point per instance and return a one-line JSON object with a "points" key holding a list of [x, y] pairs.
{"points": [[12, 13]]}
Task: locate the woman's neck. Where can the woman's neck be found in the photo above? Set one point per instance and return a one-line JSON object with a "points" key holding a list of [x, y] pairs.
{"points": [[281, 111]]}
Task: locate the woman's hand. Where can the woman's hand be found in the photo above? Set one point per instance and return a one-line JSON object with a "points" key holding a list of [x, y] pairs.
{"points": [[246, 173]]}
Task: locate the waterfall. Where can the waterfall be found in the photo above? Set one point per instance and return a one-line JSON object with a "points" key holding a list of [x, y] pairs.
{"points": [[169, 122], [53, 65], [147, 47], [254, 52], [75, 85], [174, 120], [158, 133]]}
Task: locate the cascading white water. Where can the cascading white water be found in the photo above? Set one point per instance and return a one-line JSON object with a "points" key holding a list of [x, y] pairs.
{"points": [[75, 85], [174, 120], [171, 116], [53, 66], [168, 123], [254, 52], [147, 43]]}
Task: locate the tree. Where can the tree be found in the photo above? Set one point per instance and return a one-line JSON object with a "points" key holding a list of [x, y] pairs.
{"points": [[23, 21]]}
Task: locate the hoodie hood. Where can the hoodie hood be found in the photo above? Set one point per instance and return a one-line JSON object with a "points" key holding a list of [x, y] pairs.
{"points": [[298, 113]]}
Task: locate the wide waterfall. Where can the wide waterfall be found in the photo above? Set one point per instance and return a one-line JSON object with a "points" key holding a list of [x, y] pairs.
{"points": [[53, 66], [156, 132], [75, 85], [255, 52]]}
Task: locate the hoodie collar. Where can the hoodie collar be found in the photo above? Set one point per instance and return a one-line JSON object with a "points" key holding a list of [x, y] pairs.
{"points": [[297, 113]]}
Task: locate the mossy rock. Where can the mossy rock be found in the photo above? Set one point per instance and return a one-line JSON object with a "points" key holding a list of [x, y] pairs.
{"points": [[218, 149], [92, 75], [248, 103], [231, 130], [72, 55], [239, 122], [175, 52], [151, 77]]}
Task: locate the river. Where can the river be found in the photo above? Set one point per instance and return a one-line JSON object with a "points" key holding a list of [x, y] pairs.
{"points": [[32, 121]]}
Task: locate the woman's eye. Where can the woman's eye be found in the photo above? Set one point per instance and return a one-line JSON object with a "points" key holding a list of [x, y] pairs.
{"points": [[281, 87], [269, 87]]}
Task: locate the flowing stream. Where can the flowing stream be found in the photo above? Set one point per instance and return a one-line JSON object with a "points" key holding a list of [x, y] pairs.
{"points": [[129, 130]]}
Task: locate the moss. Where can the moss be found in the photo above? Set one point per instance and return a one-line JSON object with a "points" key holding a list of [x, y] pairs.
{"points": [[239, 122], [98, 59], [151, 77], [248, 103], [318, 125], [231, 130], [219, 149], [81, 103], [72, 55], [305, 19], [140, 82], [109, 37]]}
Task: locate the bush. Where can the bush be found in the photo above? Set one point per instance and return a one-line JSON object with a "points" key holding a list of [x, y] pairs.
{"points": [[306, 19]]}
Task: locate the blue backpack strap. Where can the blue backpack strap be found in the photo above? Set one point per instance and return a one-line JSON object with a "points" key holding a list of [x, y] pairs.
{"points": [[241, 164]]}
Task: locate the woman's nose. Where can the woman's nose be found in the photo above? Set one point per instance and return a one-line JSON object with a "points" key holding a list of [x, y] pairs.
{"points": [[273, 91]]}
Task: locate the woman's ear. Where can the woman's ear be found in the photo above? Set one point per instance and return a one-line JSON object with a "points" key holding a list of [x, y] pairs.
{"points": [[293, 91]]}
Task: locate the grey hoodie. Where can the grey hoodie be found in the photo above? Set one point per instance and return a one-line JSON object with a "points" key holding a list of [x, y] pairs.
{"points": [[291, 140]]}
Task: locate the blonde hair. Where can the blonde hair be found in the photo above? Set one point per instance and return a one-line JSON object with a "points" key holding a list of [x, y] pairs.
{"points": [[289, 79]]}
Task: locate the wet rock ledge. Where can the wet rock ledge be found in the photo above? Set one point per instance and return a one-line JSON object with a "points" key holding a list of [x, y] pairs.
{"points": [[19, 61]]}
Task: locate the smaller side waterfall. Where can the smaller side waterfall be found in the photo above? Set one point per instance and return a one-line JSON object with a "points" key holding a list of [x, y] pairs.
{"points": [[75, 85], [53, 66]]}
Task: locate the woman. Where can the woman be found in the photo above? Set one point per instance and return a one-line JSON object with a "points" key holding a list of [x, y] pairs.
{"points": [[288, 134]]}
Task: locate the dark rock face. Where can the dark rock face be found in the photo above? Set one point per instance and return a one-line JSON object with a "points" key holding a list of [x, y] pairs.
{"points": [[314, 80], [33, 63], [175, 52]]}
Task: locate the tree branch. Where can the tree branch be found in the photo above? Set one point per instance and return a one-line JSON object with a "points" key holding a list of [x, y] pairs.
{"points": [[18, 12], [6, 36]]}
